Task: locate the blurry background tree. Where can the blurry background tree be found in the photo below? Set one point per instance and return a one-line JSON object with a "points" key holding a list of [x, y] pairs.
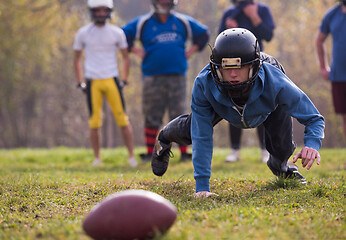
{"points": [[41, 107]]}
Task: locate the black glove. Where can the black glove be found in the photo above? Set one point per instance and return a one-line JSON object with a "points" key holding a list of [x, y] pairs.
{"points": [[122, 84], [82, 86]]}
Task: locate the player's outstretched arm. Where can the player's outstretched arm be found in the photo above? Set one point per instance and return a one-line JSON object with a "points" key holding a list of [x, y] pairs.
{"points": [[308, 156]]}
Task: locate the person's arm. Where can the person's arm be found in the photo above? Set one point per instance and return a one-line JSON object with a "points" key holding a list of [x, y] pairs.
{"points": [[202, 115], [200, 37], [298, 105], [140, 52], [78, 66], [191, 50], [125, 64], [251, 11], [321, 53], [261, 19], [308, 156], [130, 30]]}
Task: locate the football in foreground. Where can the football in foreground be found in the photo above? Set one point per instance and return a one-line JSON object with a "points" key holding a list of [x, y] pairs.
{"points": [[130, 214]]}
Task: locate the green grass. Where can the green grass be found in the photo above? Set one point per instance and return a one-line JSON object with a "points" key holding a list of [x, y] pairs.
{"points": [[46, 193]]}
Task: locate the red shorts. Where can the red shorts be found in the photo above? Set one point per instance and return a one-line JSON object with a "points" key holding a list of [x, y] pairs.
{"points": [[339, 96]]}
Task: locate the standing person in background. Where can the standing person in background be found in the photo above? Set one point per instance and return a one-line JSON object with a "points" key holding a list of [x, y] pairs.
{"points": [[163, 34], [257, 18], [101, 42], [334, 23]]}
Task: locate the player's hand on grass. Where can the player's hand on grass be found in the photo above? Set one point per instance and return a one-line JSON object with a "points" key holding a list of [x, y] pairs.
{"points": [[204, 194], [308, 156]]}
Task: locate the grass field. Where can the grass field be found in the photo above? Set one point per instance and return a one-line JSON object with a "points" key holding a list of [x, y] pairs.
{"points": [[46, 193]]}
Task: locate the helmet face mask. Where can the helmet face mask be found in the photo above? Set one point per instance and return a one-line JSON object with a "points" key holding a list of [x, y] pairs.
{"points": [[97, 6], [235, 2], [235, 48], [166, 9]]}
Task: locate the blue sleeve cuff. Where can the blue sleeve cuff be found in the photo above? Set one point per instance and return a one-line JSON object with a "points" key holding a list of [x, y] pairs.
{"points": [[313, 143], [202, 184]]}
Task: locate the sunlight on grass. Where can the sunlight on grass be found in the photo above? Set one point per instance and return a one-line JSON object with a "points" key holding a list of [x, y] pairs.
{"points": [[46, 193]]}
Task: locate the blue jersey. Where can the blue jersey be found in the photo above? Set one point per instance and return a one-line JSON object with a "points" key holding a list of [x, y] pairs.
{"points": [[271, 89], [164, 43], [334, 22], [262, 32]]}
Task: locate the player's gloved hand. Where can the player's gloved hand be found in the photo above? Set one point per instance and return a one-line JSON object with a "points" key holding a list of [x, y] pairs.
{"points": [[122, 84], [82, 86], [204, 194]]}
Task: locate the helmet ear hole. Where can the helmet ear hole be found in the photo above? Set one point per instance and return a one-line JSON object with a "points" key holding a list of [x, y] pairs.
{"points": [[219, 74]]}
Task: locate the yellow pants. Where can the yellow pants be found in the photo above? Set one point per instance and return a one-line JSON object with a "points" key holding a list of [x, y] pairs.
{"points": [[97, 90]]}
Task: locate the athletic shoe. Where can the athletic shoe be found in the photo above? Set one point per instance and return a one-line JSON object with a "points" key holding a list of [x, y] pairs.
{"points": [[185, 157], [145, 157], [96, 162], [160, 157], [233, 156], [133, 161], [265, 155], [292, 173]]}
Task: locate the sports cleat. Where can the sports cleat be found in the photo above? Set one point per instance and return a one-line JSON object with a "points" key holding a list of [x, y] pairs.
{"points": [[160, 158], [185, 157], [132, 161], [233, 156], [96, 162], [145, 157], [292, 173], [265, 155]]}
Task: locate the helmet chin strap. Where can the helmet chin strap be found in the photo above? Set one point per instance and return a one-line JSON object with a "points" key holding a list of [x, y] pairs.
{"points": [[251, 72], [219, 74]]}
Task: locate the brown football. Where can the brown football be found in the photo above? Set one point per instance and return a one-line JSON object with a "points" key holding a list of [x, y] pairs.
{"points": [[130, 214]]}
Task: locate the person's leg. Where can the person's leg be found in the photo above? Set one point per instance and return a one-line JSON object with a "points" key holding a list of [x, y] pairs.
{"points": [[278, 139], [235, 139], [115, 98], [154, 105], [344, 124], [95, 140], [127, 135], [261, 140], [339, 99], [260, 133], [235, 136], [95, 101], [177, 104], [279, 143], [179, 131]]}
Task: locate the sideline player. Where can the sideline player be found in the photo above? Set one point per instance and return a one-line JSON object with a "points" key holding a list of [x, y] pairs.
{"points": [[101, 41]]}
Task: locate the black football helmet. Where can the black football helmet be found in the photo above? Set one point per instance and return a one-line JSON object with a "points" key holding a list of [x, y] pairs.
{"points": [[233, 48], [160, 10]]}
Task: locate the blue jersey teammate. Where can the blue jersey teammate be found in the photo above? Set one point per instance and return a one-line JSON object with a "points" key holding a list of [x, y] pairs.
{"points": [[242, 86], [163, 34], [334, 24]]}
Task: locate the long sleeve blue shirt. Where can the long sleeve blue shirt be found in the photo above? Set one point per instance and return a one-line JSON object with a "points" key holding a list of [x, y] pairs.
{"points": [[271, 88]]}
